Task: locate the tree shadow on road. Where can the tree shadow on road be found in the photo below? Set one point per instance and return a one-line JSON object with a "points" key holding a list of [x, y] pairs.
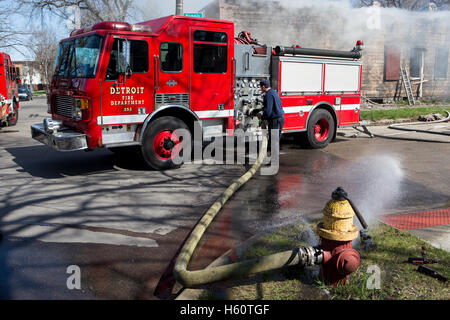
{"points": [[49, 193]]}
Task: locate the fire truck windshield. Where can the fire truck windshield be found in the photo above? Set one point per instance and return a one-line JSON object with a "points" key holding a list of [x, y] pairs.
{"points": [[78, 58]]}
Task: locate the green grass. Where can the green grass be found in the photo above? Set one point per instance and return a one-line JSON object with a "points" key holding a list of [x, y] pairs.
{"points": [[401, 113], [287, 237], [285, 284], [399, 280], [402, 102], [39, 93], [436, 101]]}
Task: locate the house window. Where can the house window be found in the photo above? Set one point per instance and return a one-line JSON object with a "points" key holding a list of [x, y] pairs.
{"points": [[416, 62], [391, 63], [441, 64]]}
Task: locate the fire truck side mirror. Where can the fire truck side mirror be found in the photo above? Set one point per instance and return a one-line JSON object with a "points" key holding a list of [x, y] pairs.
{"points": [[123, 61], [129, 71], [124, 56]]}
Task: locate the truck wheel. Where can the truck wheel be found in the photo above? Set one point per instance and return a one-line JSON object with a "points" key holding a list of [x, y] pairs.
{"points": [[320, 129], [12, 119], [159, 145]]}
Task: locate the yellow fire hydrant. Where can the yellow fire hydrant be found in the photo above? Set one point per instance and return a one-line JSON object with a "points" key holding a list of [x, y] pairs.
{"points": [[337, 232]]}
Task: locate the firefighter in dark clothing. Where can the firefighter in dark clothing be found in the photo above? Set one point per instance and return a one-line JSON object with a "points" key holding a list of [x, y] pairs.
{"points": [[272, 111]]}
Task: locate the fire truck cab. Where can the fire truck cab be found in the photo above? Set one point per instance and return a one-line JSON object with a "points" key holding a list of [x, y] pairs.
{"points": [[9, 99], [118, 86]]}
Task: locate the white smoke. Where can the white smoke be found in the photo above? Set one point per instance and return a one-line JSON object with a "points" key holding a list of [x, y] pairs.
{"points": [[337, 24]]}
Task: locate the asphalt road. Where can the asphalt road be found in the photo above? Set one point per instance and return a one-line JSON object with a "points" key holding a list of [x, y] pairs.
{"points": [[123, 224]]}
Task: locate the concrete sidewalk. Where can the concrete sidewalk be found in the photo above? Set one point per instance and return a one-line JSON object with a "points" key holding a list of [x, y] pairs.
{"points": [[438, 236]]}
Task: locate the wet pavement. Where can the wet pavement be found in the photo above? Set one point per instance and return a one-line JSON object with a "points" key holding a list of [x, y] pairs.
{"points": [[123, 224]]}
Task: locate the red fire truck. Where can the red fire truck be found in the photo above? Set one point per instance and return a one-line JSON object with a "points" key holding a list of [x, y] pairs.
{"points": [[118, 85], [9, 99]]}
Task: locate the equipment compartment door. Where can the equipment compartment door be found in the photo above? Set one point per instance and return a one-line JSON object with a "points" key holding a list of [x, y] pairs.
{"points": [[211, 72]]}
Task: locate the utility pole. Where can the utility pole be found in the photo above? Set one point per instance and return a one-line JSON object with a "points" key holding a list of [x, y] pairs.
{"points": [[179, 8]]}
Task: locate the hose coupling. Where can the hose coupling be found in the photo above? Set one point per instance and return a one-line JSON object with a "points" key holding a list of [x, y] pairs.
{"points": [[310, 256]]}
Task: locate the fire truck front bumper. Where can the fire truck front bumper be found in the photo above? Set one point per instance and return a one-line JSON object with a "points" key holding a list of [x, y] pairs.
{"points": [[60, 138]]}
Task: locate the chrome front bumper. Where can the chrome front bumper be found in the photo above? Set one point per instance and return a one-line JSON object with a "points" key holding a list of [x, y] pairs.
{"points": [[62, 139]]}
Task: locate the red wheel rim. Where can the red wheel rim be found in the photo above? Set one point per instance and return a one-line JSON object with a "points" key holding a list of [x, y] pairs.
{"points": [[13, 116], [166, 144], [322, 129]]}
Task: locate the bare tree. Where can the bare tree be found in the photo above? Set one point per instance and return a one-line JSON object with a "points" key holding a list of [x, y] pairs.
{"points": [[405, 4], [91, 10], [44, 46], [10, 35]]}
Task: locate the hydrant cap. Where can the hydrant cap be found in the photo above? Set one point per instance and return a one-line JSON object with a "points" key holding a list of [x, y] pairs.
{"points": [[339, 194], [348, 261]]}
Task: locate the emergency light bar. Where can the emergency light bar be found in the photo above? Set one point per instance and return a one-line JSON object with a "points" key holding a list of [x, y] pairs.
{"points": [[105, 25], [113, 25], [141, 28]]}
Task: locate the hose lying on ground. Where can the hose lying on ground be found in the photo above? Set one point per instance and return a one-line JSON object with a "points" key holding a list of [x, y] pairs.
{"points": [[397, 127], [302, 256]]}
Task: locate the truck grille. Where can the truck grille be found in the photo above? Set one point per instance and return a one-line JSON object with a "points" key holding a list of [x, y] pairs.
{"points": [[172, 98], [63, 106]]}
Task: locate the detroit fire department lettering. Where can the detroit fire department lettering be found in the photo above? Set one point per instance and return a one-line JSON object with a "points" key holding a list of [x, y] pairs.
{"points": [[127, 95], [127, 90]]}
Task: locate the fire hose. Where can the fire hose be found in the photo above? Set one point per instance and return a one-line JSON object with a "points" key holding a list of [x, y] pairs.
{"points": [[398, 127], [303, 256]]}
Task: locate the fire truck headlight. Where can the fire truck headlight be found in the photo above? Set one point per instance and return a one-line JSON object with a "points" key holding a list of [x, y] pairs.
{"points": [[77, 114], [76, 110], [81, 110]]}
